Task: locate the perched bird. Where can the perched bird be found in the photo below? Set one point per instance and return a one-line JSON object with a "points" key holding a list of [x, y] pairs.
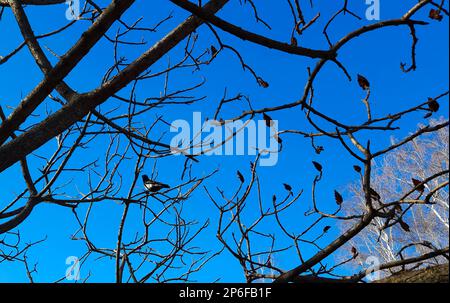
{"points": [[153, 186]]}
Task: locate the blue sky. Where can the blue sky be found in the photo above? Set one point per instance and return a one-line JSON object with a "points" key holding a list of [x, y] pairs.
{"points": [[377, 56]]}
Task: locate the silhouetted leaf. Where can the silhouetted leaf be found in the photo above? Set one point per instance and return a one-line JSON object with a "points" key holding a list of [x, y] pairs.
{"points": [[318, 166], [374, 194], [357, 168], [268, 120], [287, 187], [354, 252], [213, 50], [363, 82], [404, 226], [319, 149], [263, 83], [338, 197], [294, 41], [419, 185], [398, 208], [433, 105], [278, 138], [435, 15], [240, 176]]}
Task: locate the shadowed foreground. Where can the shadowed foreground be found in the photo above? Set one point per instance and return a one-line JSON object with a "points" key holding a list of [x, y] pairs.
{"points": [[436, 274]]}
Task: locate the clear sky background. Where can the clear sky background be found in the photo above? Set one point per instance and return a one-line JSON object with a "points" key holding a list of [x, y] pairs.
{"points": [[377, 56]]}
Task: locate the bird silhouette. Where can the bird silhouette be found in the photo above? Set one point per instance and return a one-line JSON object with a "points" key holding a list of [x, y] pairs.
{"points": [[153, 186]]}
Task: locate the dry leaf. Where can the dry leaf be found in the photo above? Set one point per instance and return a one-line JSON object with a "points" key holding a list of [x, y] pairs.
{"points": [[435, 15], [263, 83], [419, 185], [213, 50], [268, 119], [404, 226], [363, 82], [240, 176], [433, 105], [294, 41], [338, 197], [318, 166], [287, 187]]}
